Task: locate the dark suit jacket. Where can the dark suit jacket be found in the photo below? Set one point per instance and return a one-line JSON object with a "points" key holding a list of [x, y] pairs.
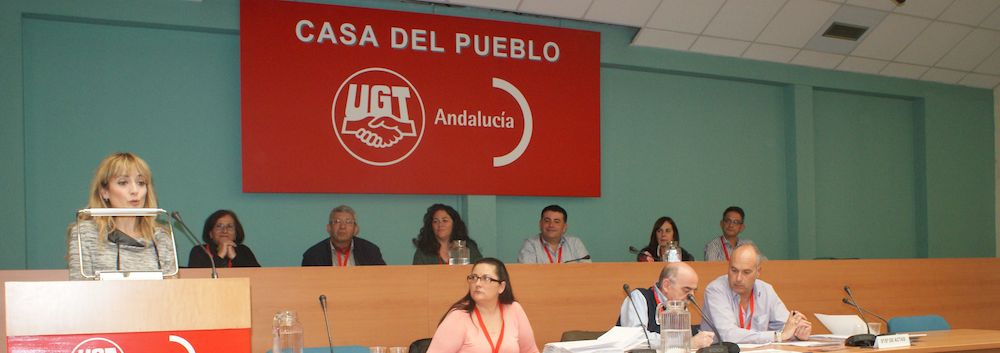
{"points": [[365, 253]]}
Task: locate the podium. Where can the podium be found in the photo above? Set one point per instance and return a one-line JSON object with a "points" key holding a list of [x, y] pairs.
{"points": [[180, 315]]}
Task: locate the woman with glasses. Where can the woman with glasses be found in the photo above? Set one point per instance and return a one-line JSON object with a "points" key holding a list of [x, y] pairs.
{"points": [[487, 319], [223, 236], [442, 225], [664, 232]]}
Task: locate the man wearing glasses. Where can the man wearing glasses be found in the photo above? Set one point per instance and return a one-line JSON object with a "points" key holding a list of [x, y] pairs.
{"points": [[343, 248], [721, 248], [676, 281]]}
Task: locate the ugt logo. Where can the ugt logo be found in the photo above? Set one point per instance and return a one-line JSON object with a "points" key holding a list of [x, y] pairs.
{"points": [[97, 345], [378, 116]]}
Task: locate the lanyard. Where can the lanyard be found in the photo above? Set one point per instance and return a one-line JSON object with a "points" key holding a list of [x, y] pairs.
{"points": [[656, 296], [230, 262], [724, 251], [549, 254], [503, 324], [347, 256], [749, 319]]}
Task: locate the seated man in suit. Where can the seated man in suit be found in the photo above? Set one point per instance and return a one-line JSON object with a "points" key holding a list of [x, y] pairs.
{"points": [[343, 243], [676, 281], [746, 309]]}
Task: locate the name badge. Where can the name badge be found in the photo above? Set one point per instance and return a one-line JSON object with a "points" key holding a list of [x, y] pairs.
{"points": [[892, 341]]}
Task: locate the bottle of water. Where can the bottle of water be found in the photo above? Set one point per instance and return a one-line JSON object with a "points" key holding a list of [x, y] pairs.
{"points": [[675, 328], [287, 333], [458, 253], [673, 252]]}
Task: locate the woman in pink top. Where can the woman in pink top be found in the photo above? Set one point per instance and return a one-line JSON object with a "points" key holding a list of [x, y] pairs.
{"points": [[487, 319]]}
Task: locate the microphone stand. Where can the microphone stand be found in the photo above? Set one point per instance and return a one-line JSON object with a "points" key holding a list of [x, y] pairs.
{"points": [[329, 336], [721, 347], [861, 339], [851, 303], [644, 325], [187, 231]]}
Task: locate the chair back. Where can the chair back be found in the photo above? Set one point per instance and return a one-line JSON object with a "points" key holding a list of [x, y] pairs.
{"points": [[419, 346], [580, 335], [918, 323]]}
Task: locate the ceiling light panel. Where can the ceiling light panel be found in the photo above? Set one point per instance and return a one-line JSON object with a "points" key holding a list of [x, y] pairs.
{"points": [[890, 37], [685, 15], [743, 19], [797, 22]]}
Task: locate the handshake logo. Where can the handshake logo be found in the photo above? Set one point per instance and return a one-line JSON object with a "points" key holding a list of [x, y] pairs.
{"points": [[378, 116], [380, 132]]}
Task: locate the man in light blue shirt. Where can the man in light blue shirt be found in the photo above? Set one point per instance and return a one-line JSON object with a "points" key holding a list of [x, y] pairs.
{"points": [[746, 309], [552, 245], [732, 224]]}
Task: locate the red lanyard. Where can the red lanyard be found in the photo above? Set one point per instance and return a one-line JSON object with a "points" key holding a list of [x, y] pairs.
{"points": [[347, 256], [549, 254], [724, 251], [230, 260], [503, 324], [750, 319], [655, 297]]}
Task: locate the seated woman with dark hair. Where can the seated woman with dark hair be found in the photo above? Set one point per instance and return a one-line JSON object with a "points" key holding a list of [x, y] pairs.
{"points": [[442, 225], [486, 319], [223, 236], [664, 232]]}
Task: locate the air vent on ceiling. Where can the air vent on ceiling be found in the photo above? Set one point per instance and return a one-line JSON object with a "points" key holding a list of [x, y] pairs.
{"points": [[845, 31]]}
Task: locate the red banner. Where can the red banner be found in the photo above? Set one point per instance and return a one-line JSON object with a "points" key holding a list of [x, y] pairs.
{"points": [[226, 340], [352, 100]]}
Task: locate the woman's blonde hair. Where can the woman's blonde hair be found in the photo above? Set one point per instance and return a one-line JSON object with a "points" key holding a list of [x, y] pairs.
{"points": [[114, 165]]}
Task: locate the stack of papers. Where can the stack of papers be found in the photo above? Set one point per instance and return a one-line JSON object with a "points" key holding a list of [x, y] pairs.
{"points": [[843, 325], [617, 340]]}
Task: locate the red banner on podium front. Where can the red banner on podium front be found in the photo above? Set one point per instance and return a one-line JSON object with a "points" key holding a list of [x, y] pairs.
{"points": [[353, 100], [226, 340]]}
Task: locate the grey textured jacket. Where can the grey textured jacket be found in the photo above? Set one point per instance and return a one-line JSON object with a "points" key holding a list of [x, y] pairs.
{"points": [[127, 254]]}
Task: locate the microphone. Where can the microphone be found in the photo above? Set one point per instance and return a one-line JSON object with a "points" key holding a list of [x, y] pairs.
{"points": [[849, 302], [862, 339], [187, 231], [329, 337], [721, 347], [644, 325], [577, 260], [633, 250]]}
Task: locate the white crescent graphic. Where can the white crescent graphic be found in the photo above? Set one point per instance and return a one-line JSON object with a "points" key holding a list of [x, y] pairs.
{"points": [[183, 342], [522, 145]]}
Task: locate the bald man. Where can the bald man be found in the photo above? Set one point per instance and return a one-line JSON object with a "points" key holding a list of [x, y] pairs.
{"points": [[746, 309], [676, 281]]}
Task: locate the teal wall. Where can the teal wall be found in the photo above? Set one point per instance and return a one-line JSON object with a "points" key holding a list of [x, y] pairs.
{"points": [[827, 164]]}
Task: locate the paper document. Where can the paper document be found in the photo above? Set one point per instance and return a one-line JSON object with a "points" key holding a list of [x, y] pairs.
{"points": [[828, 337], [618, 339], [845, 325], [810, 343]]}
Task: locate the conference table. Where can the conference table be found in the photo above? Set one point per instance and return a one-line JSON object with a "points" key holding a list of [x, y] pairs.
{"points": [[395, 305], [957, 340]]}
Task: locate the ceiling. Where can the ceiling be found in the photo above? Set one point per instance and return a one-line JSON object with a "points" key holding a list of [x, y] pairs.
{"points": [[949, 41]]}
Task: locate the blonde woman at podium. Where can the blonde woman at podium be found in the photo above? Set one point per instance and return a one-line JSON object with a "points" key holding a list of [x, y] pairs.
{"points": [[487, 319], [122, 180]]}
